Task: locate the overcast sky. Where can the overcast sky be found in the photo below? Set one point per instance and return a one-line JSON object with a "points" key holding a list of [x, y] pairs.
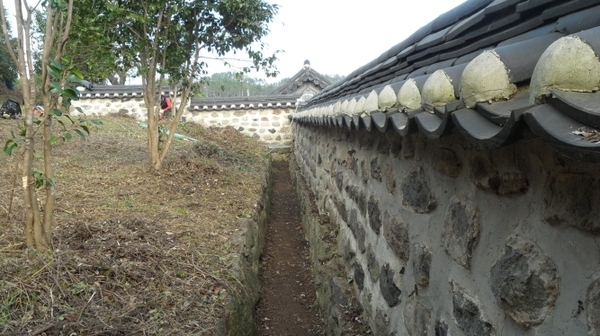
{"points": [[338, 36]]}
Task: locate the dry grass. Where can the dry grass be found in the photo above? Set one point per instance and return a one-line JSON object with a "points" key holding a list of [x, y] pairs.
{"points": [[135, 252]]}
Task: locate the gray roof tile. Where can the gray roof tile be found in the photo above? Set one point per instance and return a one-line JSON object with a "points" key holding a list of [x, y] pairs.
{"points": [[520, 32], [579, 21], [520, 58]]}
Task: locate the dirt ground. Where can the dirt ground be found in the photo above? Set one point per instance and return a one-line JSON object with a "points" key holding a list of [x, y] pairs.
{"points": [[135, 251], [288, 304]]}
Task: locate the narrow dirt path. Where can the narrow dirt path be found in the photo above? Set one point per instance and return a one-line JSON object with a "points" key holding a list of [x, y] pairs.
{"points": [[288, 304]]}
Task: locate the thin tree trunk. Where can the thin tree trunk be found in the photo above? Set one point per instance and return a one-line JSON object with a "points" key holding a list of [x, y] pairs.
{"points": [[29, 220], [50, 187]]}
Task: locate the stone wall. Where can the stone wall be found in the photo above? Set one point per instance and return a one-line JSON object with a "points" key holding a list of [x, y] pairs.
{"points": [[270, 125], [134, 107], [439, 238]]}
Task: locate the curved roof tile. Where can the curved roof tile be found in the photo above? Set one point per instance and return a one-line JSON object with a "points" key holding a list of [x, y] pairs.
{"points": [[522, 40]]}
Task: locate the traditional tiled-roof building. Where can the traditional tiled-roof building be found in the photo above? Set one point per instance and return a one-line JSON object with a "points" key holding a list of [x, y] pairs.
{"points": [[460, 172], [265, 117]]}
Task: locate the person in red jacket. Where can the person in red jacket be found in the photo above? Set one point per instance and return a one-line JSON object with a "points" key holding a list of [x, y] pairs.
{"points": [[165, 106]]}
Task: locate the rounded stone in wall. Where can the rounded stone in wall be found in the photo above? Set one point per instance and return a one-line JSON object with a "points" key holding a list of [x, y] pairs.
{"points": [[376, 169], [389, 178], [390, 292], [416, 317], [572, 199], [440, 328], [374, 210], [592, 304], [525, 282], [372, 265], [468, 313], [396, 235], [416, 193], [421, 263], [446, 162], [364, 168], [486, 177], [461, 231], [359, 276], [381, 323]]}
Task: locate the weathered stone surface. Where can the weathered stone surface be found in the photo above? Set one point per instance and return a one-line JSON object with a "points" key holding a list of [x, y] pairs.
{"points": [[376, 169], [359, 276], [573, 199], [389, 178], [486, 177], [592, 304], [357, 229], [339, 180], [421, 263], [468, 313], [396, 235], [364, 169], [340, 205], [338, 291], [374, 209], [416, 193], [352, 162], [440, 329], [381, 323], [446, 162], [461, 231], [367, 141], [389, 290], [359, 197], [353, 221], [373, 265], [525, 282], [360, 238], [408, 148], [383, 146], [416, 317], [396, 146]]}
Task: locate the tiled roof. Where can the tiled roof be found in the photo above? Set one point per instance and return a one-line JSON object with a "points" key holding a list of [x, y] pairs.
{"points": [[246, 102], [306, 75], [110, 91], [284, 96], [487, 69]]}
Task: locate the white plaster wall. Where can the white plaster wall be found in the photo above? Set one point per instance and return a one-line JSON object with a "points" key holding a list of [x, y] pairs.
{"points": [[270, 125]]}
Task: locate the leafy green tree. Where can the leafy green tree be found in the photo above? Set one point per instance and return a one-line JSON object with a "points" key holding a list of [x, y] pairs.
{"points": [[8, 70], [334, 78], [165, 39], [233, 84], [58, 80]]}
